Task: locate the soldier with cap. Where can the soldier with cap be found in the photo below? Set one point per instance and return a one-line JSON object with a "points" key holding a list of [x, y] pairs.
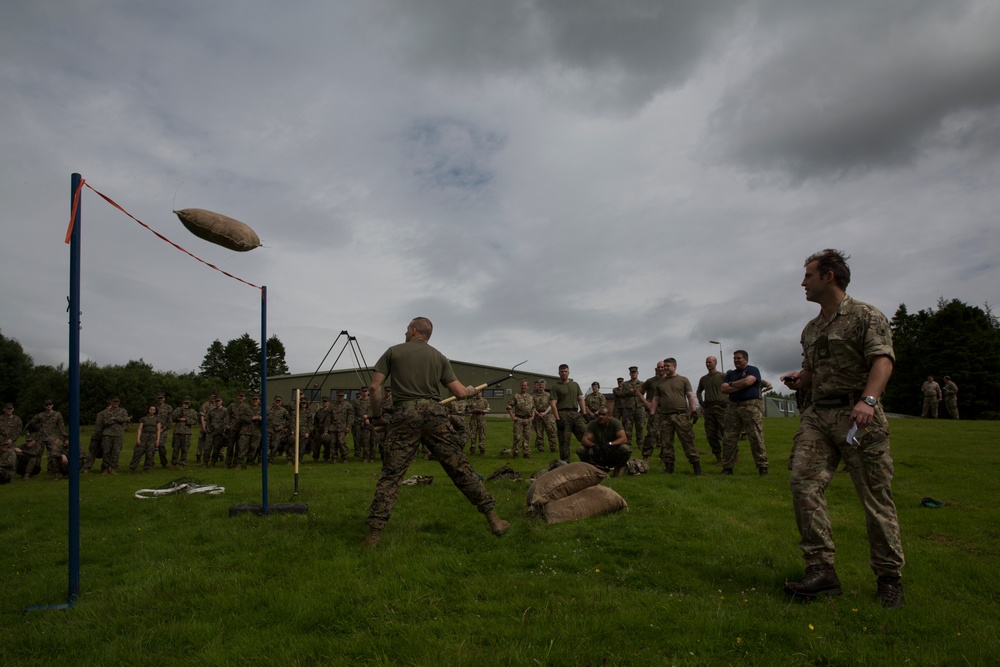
{"points": [[645, 396], [322, 424], [478, 409], [48, 434], [417, 371], [343, 417], [203, 426], [616, 394], [633, 412], [184, 420], [250, 436], [96, 449], [278, 420], [363, 446], [163, 411], [238, 416], [146, 437], [114, 423], [215, 441]]}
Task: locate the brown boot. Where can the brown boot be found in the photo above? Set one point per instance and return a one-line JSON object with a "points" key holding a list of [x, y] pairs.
{"points": [[818, 580], [374, 537], [497, 525]]}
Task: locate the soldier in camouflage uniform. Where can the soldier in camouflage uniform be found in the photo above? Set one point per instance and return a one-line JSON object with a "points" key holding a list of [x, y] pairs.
{"points": [[633, 412], [713, 406], [951, 397], [250, 436], [847, 359], [321, 436], [343, 418], [278, 422], [96, 449], [146, 437], [184, 419], [594, 401], [217, 421], [363, 445], [417, 370], [478, 409], [379, 435], [616, 393], [306, 418], [114, 423], [672, 408], [744, 414], [545, 420], [49, 434], [932, 396], [203, 426], [644, 398], [10, 430], [163, 411], [566, 399], [521, 408], [236, 415]]}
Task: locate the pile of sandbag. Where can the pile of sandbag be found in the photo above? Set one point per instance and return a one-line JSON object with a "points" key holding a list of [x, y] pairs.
{"points": [[572, 492]]}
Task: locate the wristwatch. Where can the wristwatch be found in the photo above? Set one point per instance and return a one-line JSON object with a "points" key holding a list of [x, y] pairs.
{"points": [[871, 400]]}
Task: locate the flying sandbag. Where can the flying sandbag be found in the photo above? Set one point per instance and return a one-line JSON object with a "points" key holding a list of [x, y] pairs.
{"points": [[219, 229]]}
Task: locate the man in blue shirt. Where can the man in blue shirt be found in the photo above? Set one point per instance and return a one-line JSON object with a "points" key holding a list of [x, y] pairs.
{"points": [[744, 414]]}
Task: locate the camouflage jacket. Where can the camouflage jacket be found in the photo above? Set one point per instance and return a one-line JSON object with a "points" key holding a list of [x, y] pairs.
{"points": [[521, 405], [184, 420], [479, 406], [277, 419], [343, 415], [595, 402], [10, 429], [114, 421], [47, 426], [629, 400]]}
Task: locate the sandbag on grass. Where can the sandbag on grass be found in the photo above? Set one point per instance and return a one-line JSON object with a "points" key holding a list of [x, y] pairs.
{"points": [[591, 501]]}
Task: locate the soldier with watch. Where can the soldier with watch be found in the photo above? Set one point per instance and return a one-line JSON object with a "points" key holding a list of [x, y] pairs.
{"points": [[847, 358]]}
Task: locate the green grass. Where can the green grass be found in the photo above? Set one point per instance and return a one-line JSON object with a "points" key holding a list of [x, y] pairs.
{"points": [[691, 574]]}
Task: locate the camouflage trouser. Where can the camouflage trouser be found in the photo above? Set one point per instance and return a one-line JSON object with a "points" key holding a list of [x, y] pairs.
{"points": [[144, 448], [214, 443], [365, 442], [634, 417], [408, 427], [680, 423], [570, 423], [545, 428], [321, 446], [8, 465], [604, 455], [202, 438], [253, 446], [522, 435], [32, 456], [652, 437], [179, 455], [338, 438], [714, 416], [819, 446], [94, 452], [930, 407], [744, 417], [275, 444], [111, 451], [951, 404], [162, 448], [477, 424]]}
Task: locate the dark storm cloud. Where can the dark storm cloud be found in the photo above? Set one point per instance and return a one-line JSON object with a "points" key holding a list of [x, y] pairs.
{"points": [[859, 86]]}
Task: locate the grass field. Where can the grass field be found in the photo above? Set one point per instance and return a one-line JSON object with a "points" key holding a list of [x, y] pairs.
{"points": [[690, 574]]}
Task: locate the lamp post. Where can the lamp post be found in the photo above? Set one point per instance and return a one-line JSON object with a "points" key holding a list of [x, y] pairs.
{"points": [[721, 362]]}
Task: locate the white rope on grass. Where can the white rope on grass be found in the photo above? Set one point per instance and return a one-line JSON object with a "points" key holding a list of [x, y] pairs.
{"points": [[188, 488]]}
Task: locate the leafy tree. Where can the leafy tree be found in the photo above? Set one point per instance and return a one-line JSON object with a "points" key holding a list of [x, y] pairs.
{"points": [[276, 357], [243, 363], [15, 365], [214, 363], [956, 339]]}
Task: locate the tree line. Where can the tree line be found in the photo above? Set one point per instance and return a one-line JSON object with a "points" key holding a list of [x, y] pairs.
{"points": [[226, 370], [955, 339]]}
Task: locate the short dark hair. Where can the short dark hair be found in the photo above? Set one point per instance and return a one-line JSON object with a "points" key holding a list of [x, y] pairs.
{"points": [[670, 360], [832, 260], [742, 353], [423, 326], [562, 366]]}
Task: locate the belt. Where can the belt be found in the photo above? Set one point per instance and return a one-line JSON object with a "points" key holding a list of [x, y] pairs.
{"points": [[842, 401], [416, 401], [674, 412], [569, 410]]}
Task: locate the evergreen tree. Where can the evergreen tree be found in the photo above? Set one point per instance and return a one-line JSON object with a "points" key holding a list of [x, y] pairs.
{"points": [[15, 366], [276, 357]]}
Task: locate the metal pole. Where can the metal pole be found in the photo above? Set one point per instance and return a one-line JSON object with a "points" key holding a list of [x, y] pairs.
{"points": [[263, 396], [721, 362], [74, 395]]}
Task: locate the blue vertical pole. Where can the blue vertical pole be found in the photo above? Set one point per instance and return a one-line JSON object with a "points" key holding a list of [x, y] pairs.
{"points": [[263, 397], [74, 395]]}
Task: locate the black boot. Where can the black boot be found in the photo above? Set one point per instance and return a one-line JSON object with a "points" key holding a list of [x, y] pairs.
{"points": [[890, 592], [818, 580], [697, 468]]}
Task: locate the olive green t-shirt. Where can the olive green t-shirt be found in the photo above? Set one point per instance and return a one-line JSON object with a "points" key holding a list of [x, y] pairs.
{"points": [[418, 371]]}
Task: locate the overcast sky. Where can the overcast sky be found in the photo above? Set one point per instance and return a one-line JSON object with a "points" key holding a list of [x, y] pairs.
{"points": [[596, 183]]}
